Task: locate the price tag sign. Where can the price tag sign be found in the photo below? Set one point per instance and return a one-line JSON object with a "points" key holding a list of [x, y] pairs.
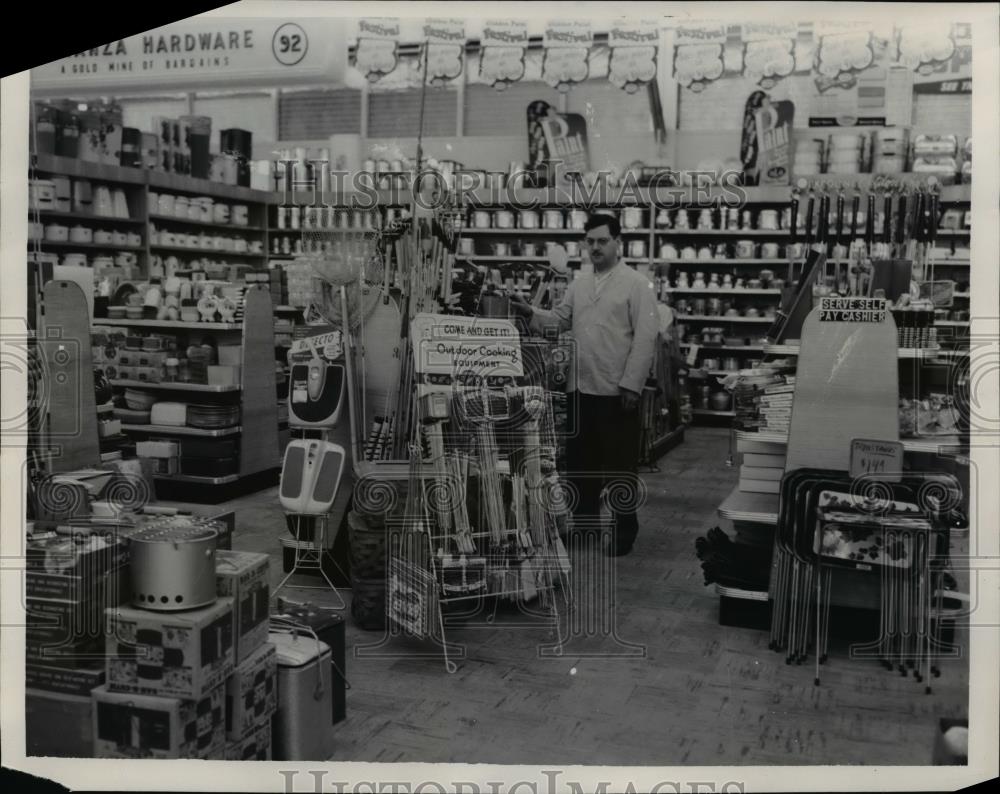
{"points": [[882, 459]]}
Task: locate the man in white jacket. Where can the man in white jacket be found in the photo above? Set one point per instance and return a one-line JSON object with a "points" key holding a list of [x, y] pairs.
{"points": [[612, 316]]}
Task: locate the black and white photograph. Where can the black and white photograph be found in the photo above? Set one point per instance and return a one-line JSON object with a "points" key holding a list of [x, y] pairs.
{"points": [[556, 397]]}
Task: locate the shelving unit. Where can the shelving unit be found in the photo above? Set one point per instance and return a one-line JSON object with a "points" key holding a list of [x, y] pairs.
{"points": [[257, 431]]}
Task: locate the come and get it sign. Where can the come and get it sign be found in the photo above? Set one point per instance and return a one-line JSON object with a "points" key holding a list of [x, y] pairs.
{"points": [[201, 53]]}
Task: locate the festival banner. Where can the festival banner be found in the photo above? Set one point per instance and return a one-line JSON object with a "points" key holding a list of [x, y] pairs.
{"points": [[501, 57], [567, 46], [445, 41], [633, 45], [698, 50], [377, 51]]}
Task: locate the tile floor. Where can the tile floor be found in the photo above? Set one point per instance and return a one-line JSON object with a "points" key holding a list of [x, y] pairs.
{"points": [[655, 680]]}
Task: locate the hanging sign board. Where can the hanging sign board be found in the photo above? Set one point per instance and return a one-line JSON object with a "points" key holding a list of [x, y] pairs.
{"points": [[203, 53], [377, 52], [445, 49], [852, 310], [501, 58], [768, 52], [633, 46], [844, 49], [951, 75], [450, 351], [698, 50], [883, 459], [567, 46]]}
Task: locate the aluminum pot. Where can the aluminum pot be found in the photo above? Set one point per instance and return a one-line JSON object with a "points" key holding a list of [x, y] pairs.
{"points": [[467, 245], [572, 248], [730, 364], [173, 567], [632, 218], [768, 219], [503, 219], [528, 219], [769, 251], [577, 219], [720, 401], [552, 219], [668, 251], [710, 363], [501, 249], [530, 249], [745, 249], [637, 249]]}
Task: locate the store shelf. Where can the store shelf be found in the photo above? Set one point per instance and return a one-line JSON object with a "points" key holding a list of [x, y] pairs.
{"points": [[733, 348], [709, 412], [718, 318], [521, 232], [288, 309], [714, 261], [726, 292], [208, 252], [190, 186], [930, 444], [757, 508], [169, 324], [85, 246], [229, 227], [171, 430], [195, 387], [952, 323], [953, 232], [961, 294], [725, 232], [194, 480], [86, 216], [83, 169], [904, 352]]}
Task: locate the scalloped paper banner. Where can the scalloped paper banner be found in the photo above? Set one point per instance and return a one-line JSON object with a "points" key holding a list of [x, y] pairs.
{"points": [[377, 52], [567, 46], [501, 59]]}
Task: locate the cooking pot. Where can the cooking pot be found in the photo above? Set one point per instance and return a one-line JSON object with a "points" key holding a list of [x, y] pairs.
{"points": [[720, 401], [751, 312], [730, 364], [681, 306], [467, 245], [56, 233], [668, 251], [747, 220], [705, 220], [768, 219], [134, 239], [220, 213], [42, 194], [577, 219], [501, 249], [240, 214], [744, 249], [637, 249], [698, 306], [119, 237], [714, 306], [705, 252], [572, 248], [766, 276], [552, 219], [74, 260], [632, 217], [173, 567], [688, 252], [494, 306], [529, 249], [181, 207], [769, 251], [81, 234], [503, 219], [528, 219], [710, 363], [682, 220], [795, 250], [36, 231]]}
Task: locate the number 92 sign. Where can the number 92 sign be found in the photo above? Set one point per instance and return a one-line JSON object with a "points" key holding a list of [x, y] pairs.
{"points": [[289, 44]]}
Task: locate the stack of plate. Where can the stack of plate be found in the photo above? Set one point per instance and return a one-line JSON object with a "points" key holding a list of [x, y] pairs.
{"points": [[212, 417], [139, 400]]}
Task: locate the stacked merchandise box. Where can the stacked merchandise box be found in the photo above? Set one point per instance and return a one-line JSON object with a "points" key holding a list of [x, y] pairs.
{"points": [[244, 577], [165, 691], [129, 725], [58, 725], [251, 700]]}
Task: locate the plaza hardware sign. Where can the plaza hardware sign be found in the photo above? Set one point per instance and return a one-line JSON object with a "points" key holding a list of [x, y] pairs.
{"points": [[378, 45], [698, 54], [445, 49], [501, 60], [203, 53], [852, 310], [633, 53], [567, 46]]}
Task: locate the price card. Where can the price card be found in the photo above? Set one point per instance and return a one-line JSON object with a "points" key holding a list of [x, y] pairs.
{"points": [[882, 459]]}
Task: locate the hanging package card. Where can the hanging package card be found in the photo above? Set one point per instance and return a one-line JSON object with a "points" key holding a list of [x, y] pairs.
{"points": [[127, 725], [773, 123], [252, 693], [244, 577], [182, 654]]}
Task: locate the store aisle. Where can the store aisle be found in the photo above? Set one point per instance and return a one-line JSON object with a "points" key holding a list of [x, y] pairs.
{"points": [[661, 684]]}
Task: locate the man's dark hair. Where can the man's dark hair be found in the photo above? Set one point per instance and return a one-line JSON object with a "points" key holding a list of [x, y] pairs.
{"points": [[597, 219]]}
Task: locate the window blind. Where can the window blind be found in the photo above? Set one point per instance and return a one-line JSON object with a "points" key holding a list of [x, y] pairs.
{"points": [[396, 114], [314, 115]]}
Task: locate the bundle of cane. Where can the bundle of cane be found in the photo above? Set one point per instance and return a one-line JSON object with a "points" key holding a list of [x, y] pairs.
{"points": [[519, 511], [458, 471], [441, 488], [489, 481]]}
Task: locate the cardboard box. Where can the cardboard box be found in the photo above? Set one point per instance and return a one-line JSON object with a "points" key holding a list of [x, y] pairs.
{"points": [[127, 725], [52, 679], [252, 693], [245, 578], [114, 586], [179, 654], [58, 725], [256, 747], [223, 375], [51, 621], [157, 449], [150, 151], [230, 355], [166, 466], [89, 557]]}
